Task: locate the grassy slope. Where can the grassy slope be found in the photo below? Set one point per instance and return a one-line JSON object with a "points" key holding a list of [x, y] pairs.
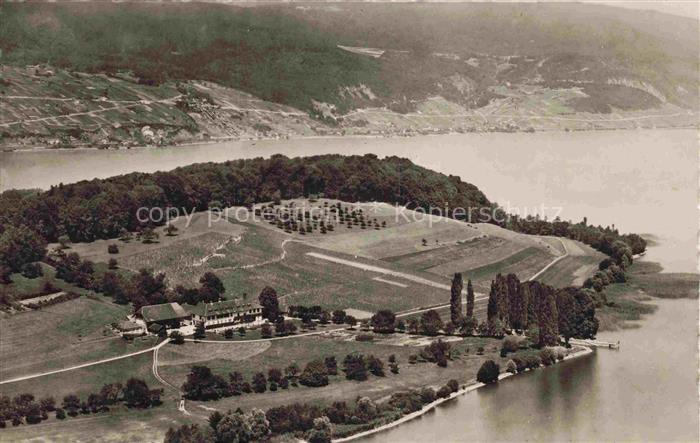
{"points": [[62, 335], [86, 380], [301, 279], [307, 280], [581, 263]]}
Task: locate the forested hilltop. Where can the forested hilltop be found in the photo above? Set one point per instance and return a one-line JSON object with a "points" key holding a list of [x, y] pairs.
{"points": [[96, 209], [199, 71], [106, 208]]}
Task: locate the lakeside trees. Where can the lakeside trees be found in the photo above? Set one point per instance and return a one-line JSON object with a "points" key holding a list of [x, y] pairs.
{"points": [[488, 372], [233, 426], [576, 314], [203, 384], [608, 240], [519, 306], [515, 305], [547, 314]]}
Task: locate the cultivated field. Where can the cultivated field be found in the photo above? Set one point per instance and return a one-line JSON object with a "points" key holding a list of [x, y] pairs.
{"points": [[250, 253], [400, 238]]}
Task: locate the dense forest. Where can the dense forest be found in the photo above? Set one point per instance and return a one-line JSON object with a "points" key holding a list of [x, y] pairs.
{"points": [[272, 56], [101, 209]]}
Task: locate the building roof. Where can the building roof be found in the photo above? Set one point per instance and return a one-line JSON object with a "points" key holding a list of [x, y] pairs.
{"points": [[163, 312], [128, 325], [222, 307]]}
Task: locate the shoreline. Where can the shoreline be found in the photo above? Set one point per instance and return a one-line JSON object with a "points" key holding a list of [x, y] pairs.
{"points": [[213, 141], [462, 391]]}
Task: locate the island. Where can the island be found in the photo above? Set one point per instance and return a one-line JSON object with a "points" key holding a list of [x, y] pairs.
{"points": [[321, 298]]}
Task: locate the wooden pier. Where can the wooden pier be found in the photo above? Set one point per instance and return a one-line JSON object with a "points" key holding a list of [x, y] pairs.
{"points": [[595, 343]]}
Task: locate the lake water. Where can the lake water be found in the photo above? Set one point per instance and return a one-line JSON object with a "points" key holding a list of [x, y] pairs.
{"points": [[642, 181], [646, 391]]}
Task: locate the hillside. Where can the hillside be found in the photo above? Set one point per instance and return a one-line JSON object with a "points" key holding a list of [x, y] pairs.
{"points": [[286, 71]]}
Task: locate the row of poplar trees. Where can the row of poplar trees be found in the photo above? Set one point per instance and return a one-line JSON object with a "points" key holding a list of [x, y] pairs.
{"points": [[456, 299], [519, 306], [516, 305]]}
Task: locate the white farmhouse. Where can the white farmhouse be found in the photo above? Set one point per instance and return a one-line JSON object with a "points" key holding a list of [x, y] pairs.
{"points": [[227, 313]]}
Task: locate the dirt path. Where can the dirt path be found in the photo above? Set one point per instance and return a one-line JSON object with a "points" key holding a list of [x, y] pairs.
{"points": [[553, 262], [155, 371], [154, 368], [255, 340], [235, 240], [85, 365]]}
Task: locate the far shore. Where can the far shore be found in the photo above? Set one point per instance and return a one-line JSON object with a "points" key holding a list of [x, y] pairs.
{"points": [[215, 140], [465, 390]]}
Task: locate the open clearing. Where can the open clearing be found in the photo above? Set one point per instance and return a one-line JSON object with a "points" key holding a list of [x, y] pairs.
{"points": [[190, 352], [198, 224], [117, 426]]}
